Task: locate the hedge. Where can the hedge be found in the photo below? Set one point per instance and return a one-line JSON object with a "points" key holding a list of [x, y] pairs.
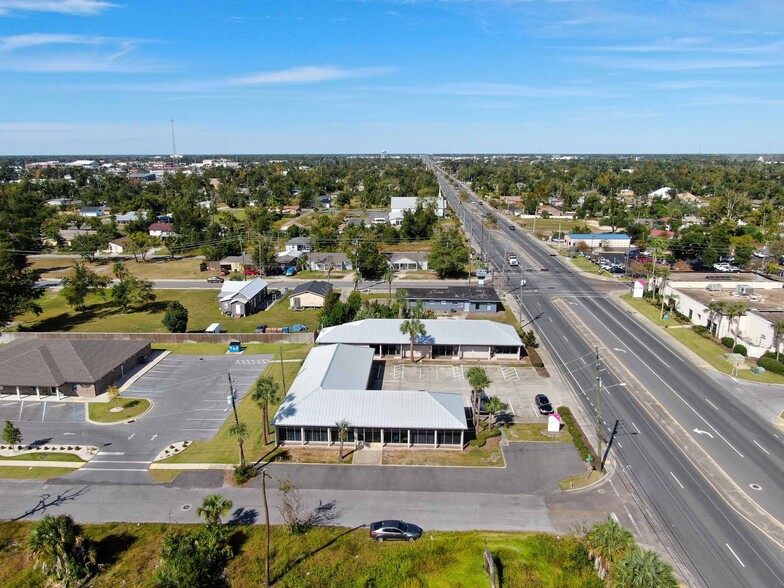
{"points": [[740, 349], [578, 438], [482, 437], [728, 342], [771, 365]]}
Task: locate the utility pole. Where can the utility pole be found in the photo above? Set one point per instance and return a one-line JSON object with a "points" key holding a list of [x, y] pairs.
{"points": [[599, 412], [232, 400], [520, 313]]}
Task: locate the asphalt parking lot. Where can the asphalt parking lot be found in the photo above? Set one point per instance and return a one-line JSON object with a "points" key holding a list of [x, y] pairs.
{"points": [[516, 386]]}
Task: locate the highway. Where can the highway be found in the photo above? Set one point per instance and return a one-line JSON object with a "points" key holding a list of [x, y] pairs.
{"points": [[718, 545]]}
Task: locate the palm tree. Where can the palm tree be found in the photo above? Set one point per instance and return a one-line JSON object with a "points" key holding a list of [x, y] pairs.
{"points": [[717, 309], [640, 568], [264, 393], [239, 431], [479, 380], [343, 427], [778, 331], [606, 543], [401, 299], [213, 507], [494, 405], [389, 276], [413, 328], [60, 546], [736, 311]]}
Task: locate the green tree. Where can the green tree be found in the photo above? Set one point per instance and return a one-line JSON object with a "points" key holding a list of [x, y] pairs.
{"points": [[389, 277], [140, 245], [413, 328], [640, 568], [62, 550], [401, 301], [448, 254], [478, 379], [18, 290], [778, 332], [240, 432], [370, 262], [131, 291], [196, 559], [81, 282], [175, 319], [607, 542], [88, 245], [213, 507], [265, 392], [494, 406], [717, 310], [735, 312], [11, 434], [343, 428]]}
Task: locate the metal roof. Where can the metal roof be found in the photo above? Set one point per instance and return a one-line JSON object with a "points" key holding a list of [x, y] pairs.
{"points": [[594, 236], [399, 409], [54, 362], [437, 332], [231, 289], [314, 286], [455, 294], [333, 366]]}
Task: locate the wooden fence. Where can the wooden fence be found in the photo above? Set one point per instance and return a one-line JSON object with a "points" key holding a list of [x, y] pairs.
{"points": [[169, 338]]}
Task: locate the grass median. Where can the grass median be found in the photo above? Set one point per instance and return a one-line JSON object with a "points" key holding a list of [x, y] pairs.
{"points": [[536, 432], [118, 410], [31, 473]]}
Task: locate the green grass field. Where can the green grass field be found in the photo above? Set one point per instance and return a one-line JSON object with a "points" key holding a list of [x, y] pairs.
{"points": [[43, 456], [32, 473], [102, 317], [290, 350], [651, 311], [101, 412], [327, 557]]}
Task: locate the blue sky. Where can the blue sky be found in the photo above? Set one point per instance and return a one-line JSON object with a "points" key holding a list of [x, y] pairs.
{"points": [[361, 76]]}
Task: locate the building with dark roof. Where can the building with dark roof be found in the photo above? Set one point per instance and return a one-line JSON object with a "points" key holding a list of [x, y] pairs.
{"points": [[67, 367], [456, 298], [310, 294]]}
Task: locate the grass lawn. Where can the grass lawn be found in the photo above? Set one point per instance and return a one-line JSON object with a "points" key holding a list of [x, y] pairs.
{"points": [[553, 224], [407, 246], [43, 456], [294, 454], [488, 456], [222, 448], [651, 311], [31, 473], [319, 275], [101, 412], [103, 317], [290, 350], [152, 269], [535, 432], [326, 556], [580, 480]]}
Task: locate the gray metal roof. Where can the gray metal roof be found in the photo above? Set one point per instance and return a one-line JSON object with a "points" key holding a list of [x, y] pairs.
{"points": [[455, 294], [399, 409], [231, 290], [437, 332], [54, 362], [333, 366]]}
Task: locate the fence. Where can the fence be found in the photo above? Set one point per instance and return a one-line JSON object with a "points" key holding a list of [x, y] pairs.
{"points": [[170, 338]]}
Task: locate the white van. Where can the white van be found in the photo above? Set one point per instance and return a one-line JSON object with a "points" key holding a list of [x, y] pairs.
{"points": [[213, 328]]}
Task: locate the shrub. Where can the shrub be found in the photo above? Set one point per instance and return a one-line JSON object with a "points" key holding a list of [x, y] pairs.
{"points": [[740, 349], [771, 365], [244, 473], [578, 438], [728, 342], [702, 331]]}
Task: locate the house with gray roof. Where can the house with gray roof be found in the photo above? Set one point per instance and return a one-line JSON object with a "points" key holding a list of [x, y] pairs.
{"points": [[332, 385], [324, 260], [67, 367], [456, 298], [446, 339], [240, 299], [310, 294], [407, 260]]}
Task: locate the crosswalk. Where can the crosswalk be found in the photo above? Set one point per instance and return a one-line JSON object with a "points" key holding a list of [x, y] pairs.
{"points": [[252, 362], [510, 373]]}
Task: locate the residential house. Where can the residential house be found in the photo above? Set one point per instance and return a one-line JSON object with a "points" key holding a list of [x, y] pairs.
{"points": [[236, 263], [119, 246], [141, 178], [407, 261], [92, 211], [240, 299], [310, 294], [662, 234], [130, 217], [162, 230], [324, 260], [299, 244], [666, 192], [67, 235]]}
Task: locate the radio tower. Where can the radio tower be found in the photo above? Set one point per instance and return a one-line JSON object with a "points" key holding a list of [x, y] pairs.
{"points": [[175, 157]]}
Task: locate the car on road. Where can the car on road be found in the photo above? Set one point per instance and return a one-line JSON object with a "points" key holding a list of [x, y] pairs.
{"points": [[214, 280], [511, 227], [543, 404], [394, 531]]}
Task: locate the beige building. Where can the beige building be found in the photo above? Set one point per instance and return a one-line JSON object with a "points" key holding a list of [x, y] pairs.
{"points": [[310, 294]]}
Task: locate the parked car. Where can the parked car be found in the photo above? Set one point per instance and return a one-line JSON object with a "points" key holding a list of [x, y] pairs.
{"points": [[394, 531], [215, 280], [543, 404], [291, 271], [224, 272], [251, 272], [261, 328]]}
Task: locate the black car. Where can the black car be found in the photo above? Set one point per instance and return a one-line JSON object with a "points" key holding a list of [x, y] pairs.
{"points": [[543, 404], [511, 227], [394, 531]]}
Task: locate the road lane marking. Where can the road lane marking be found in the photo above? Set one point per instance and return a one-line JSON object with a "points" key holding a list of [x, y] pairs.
{"points": [[131, 436], [723, 438], [154, 437], [701, 432], [86, 469], [735, 554], [112, 453], [677, 480], [116, 461], [713, 405], [761, 447]]}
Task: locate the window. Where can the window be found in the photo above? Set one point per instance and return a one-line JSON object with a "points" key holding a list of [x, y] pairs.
{"points": [[422, 437], [506, 349], [316, 434], [395, 436], [449, 437], [444, 351], [290, 434]]}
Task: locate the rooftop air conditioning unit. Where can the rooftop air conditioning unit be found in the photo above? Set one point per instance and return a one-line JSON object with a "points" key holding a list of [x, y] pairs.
{"points": [[744, 290]]}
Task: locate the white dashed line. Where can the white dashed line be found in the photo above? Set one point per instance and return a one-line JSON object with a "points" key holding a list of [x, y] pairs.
{"points": [[677, 480], [761, 447], [735, 554]]}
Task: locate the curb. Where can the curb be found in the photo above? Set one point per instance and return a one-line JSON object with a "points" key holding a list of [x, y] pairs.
{"points": [[75, 465], [123, 422], [131, 381]]}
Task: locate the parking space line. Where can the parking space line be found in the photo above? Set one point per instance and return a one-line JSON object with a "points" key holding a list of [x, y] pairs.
{"points": [[221, 420], [88, 469]]}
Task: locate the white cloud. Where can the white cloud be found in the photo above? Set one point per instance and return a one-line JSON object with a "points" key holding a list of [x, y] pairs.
{"points": [[679, 64], [304, 75], [38, 39], [75, 7]]}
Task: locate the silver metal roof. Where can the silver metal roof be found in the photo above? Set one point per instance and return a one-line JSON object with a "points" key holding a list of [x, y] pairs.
{"points": [[437, 332], [231, 289], [333, 366]]}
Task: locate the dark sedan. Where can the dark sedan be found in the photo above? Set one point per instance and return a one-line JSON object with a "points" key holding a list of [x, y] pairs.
{"points": [[394, 531], [543, 404]]}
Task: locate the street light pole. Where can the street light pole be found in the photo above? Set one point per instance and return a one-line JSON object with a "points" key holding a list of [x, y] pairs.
{"points": [[520, 313]]}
